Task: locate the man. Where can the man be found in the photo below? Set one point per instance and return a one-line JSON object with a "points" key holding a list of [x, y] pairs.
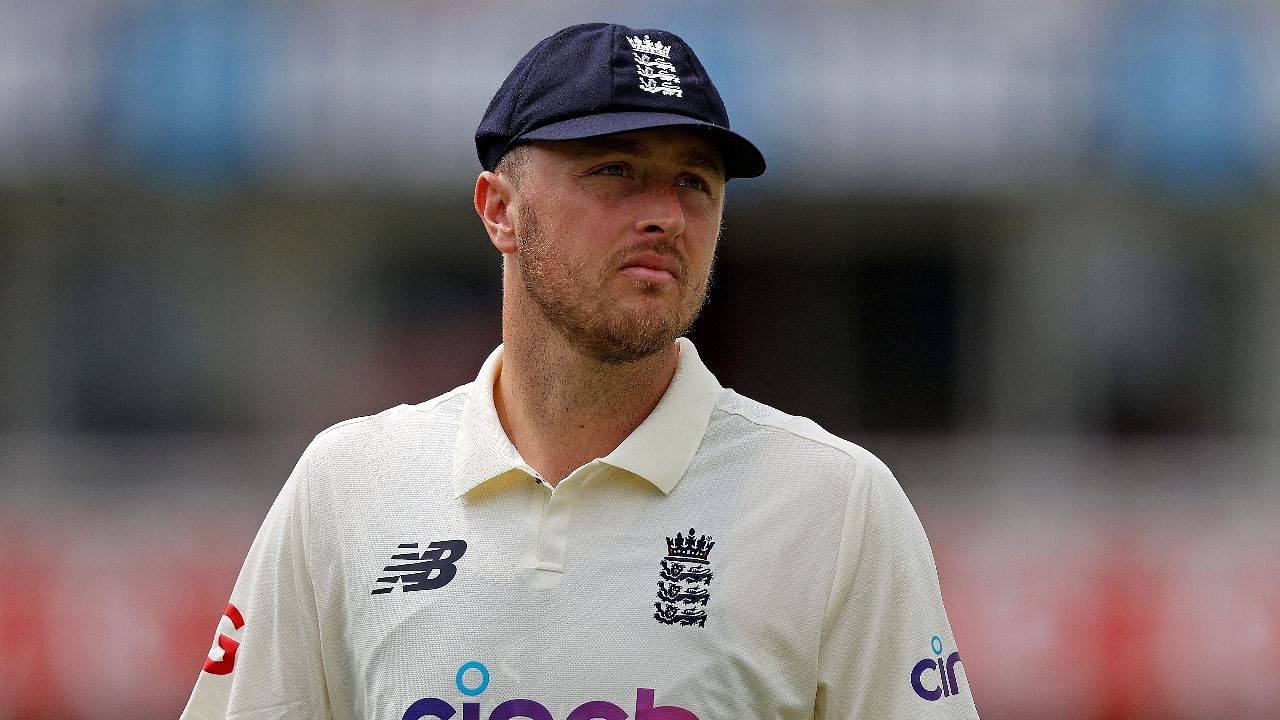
{"points": [[594, 528]]}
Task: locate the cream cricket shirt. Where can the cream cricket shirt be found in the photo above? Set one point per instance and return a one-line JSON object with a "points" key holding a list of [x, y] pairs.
{"points": [[726, 562]]}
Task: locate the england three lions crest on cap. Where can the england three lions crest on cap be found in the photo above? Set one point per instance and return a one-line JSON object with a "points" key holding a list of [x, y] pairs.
{"points": [[684, 581], [653, 65]]}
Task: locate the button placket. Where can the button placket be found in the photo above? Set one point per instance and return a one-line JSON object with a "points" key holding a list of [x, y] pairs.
{"points": [[557, 517]]}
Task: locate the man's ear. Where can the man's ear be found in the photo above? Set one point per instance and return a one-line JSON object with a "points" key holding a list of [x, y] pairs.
{"points": [[493, 201]]}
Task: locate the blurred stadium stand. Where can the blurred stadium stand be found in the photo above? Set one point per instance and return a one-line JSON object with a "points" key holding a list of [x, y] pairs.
{"points": [[1029, 253]]}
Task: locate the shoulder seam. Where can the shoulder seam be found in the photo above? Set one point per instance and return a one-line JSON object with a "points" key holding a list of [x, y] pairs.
{"points": [[793, 432], [422, 407], [859, 472], [439, 399]]}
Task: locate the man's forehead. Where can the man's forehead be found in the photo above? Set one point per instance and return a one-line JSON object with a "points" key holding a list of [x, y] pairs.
{"points": [[685, 145]]}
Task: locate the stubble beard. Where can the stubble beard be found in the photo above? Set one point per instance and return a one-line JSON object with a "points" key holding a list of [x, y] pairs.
{"points": [[575, 304]]}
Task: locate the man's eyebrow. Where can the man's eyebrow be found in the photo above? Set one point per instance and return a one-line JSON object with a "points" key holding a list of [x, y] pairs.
{"points": [[703, 161]]}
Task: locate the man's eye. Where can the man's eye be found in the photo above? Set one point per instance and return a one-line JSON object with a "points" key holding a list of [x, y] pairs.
{"points": [[695, 182], [613, 169]]}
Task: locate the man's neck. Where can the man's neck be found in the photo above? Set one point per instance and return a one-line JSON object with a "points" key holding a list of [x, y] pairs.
{"points": [[562, 410]]}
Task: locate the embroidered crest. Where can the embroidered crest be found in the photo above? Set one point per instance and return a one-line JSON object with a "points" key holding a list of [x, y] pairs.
{"points": [[684, 581], [653, 65]]}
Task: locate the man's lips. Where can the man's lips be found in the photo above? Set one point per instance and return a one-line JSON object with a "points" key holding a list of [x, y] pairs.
{"points": [[651, 267]]}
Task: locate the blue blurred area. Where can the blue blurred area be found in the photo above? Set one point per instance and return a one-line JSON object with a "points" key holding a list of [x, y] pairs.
{"points": [[1182, 96], [183, 86]]}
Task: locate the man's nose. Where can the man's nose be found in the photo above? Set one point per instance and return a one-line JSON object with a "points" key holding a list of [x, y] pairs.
{"points": [[661, 212]]}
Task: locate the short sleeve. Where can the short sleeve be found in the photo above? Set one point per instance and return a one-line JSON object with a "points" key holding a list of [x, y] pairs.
{"points": [[887, 649], [265, 661]]}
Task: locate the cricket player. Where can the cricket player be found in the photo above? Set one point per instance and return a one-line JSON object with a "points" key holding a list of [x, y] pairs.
{"points": [[594, 528]]}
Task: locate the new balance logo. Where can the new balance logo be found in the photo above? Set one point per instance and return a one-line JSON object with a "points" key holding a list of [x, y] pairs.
{"points": [[431, 569]]}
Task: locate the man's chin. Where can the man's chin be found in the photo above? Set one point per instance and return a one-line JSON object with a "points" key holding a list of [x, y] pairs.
{"points": [[619, 356], [625, 342], [627, 327]]}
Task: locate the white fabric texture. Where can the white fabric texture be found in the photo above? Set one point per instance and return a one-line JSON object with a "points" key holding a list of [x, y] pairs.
{"points": [[807, 588]]}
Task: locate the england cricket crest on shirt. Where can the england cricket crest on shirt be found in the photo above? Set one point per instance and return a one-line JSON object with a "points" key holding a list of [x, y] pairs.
{"points": [[653, 65], [684, 581]]}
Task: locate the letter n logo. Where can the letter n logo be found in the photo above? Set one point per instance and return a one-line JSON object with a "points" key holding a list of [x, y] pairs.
{"points": [[431, 569]]}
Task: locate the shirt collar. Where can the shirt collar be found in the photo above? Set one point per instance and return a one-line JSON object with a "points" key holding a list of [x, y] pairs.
{"points": [[659, 450]]}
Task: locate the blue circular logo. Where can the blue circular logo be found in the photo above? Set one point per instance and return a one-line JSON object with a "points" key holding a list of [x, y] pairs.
{"points": [[484, 678], [935, 643]]}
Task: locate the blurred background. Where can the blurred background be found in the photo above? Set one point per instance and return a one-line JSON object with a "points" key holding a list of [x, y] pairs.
{"points": [[1028, 253]]}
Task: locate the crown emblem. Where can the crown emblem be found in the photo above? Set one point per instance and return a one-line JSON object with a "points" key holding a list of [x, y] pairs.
{"points": [[649, 47], [656, 72], [684, 581], [694, 547]]}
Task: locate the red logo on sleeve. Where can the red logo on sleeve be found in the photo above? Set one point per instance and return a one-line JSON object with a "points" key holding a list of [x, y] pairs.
{"points": [[222, 656]]}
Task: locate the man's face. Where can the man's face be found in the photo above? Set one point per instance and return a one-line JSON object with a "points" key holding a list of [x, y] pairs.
{"points": [[616, 236]]}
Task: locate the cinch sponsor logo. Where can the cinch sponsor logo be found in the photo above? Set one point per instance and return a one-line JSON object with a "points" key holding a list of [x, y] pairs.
{"points": [[473, 678], [945, 677]]}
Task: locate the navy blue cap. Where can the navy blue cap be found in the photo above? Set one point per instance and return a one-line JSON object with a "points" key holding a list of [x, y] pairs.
{"points": [[600, 79]]}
